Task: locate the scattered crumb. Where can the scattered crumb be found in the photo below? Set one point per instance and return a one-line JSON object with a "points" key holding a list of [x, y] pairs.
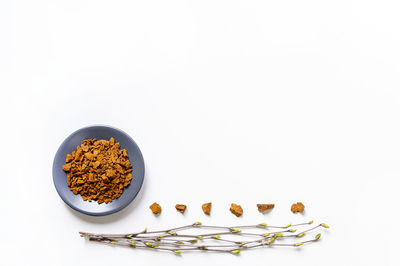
{"points": [[265, 207], [155, 208], [236, 210], [297, 207], [180, 208], [206, 208]]}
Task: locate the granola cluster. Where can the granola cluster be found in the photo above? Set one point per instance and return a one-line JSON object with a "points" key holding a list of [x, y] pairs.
{"points": [[98, 170]]}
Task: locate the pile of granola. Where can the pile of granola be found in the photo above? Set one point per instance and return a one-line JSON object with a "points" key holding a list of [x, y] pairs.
{"points": [[98, 170]]}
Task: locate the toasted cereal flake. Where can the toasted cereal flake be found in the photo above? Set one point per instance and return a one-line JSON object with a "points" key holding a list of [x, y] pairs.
{"points": [[236, 210], [155, 208], [297, 207], [265, 207], [206, 208], [180, 208]]}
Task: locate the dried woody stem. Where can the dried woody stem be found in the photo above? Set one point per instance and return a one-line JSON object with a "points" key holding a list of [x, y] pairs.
{"points": [[171, 240]]}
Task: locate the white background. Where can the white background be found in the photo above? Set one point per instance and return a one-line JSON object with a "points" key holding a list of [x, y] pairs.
{"points": [[229, 101]]}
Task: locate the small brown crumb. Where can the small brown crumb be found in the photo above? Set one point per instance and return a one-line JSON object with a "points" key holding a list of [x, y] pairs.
{"points": [[67, 167], [236, 210], [68, 158], [206, 208], [155, 208], [265, 207], [297, 207], [180, 208]]}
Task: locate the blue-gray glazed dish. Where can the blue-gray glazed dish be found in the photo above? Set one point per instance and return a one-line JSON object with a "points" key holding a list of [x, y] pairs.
{"points": [[93, 208]]}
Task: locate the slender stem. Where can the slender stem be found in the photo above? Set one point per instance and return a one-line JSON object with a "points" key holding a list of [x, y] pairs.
{"points": [[170, 240], [191, 226]]}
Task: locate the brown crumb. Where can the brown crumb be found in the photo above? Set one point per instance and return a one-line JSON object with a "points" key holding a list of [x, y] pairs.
{"points": [[68, 158], [297, 207], [206, 208], [236, 210], [265, 207], [98, 170], [155, 208], [180, 208]]}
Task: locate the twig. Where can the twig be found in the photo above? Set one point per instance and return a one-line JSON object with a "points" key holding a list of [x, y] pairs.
{"points": [[170, 240]]}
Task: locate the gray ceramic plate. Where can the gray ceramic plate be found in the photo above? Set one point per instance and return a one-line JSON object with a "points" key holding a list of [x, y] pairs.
{"points": [[93, 208]]}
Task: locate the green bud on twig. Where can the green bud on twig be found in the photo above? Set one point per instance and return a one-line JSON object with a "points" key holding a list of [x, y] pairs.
{"points": [[270, 241], [310, 222], [157, 241], [236, 251]]}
